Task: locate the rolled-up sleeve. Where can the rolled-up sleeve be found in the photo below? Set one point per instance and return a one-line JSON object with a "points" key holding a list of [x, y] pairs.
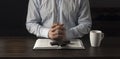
{"points": [[33, 23], [84, 21]]}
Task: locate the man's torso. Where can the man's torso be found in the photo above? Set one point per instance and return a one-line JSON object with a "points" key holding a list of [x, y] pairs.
{"points": [[61, 11]]}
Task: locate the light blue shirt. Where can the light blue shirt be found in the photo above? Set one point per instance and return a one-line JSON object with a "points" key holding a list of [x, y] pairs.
{"points": [[74, 14]]}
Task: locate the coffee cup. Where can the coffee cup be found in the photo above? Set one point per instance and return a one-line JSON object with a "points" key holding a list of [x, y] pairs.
{"points": [[96, 37]]}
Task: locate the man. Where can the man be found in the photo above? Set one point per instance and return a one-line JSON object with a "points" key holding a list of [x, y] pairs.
{"points": [[59, 19]]}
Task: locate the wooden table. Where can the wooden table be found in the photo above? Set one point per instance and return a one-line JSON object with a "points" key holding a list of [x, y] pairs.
{"points": [[21, 47]]}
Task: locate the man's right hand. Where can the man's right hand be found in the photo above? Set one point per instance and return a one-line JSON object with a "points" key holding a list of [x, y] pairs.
{"points": [[57, 32]]}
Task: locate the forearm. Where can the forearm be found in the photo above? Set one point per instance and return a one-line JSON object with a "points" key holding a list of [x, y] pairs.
{"points": [[33, 22], [84, 21], [37, 30], [78, 31]]}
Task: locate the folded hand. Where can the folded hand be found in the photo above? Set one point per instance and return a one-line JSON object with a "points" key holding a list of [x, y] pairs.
{"points": [[57, 32]]}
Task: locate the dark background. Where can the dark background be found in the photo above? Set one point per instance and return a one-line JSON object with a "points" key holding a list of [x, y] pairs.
{"points": [[13, 17], [105, 15]]}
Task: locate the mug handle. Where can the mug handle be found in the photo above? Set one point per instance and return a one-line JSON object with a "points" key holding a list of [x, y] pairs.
{"points": [[102, 36]]}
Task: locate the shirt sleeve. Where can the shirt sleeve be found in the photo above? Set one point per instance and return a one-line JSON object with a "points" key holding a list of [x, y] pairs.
{"points": [[33, 23], [84, 21]]}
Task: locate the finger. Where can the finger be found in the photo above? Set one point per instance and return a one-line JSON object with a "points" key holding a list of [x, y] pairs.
{"points": [[57, 33], [62, 28], [61, 24], [59, 27], [54, 25], [60, 32], [58, 37], [57, 24], [52, 35], [55, 28]]}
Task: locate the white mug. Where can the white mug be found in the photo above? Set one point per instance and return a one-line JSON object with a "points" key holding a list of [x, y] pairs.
{"points": [[96, 37]]}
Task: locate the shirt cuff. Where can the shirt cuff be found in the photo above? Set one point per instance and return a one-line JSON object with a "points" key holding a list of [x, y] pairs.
{"points": [[44, 32], [73, 34], [69, 35]]}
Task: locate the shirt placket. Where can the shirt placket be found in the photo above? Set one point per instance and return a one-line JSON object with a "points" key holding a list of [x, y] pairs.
{"points": [[58, 3]]}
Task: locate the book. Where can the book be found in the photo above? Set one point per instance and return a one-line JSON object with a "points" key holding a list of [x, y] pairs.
{"points": [[45, 44]]}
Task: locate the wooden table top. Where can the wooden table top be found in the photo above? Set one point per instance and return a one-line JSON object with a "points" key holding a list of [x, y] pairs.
{"points": [[14, 47]]}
